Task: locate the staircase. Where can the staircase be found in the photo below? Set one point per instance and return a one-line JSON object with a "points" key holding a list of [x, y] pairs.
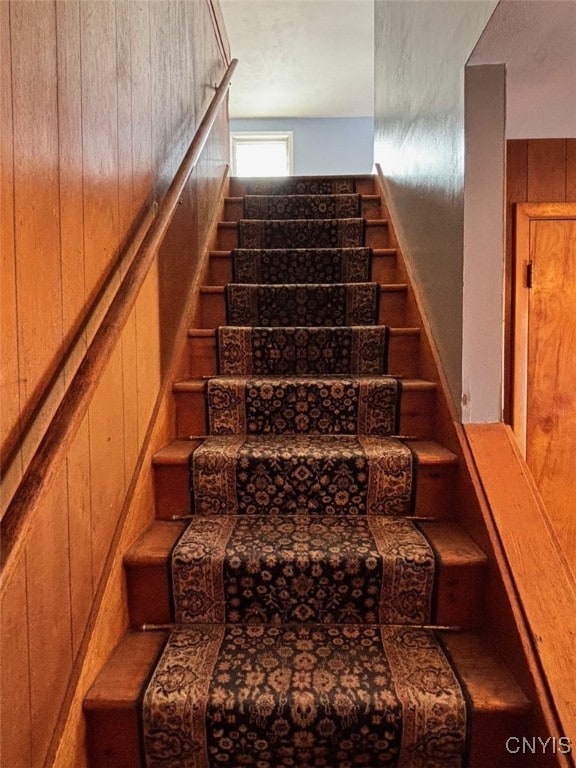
{"points": [[313, 600]]}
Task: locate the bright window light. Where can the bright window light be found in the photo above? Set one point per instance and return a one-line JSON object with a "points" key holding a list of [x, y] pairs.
{"points": [[262, 154]]}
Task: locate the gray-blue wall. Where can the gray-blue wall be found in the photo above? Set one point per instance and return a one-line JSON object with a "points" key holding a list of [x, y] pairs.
{"points": [[323, 145]]}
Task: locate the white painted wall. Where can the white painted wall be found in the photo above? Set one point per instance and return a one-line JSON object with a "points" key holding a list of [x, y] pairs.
{"points": [[446, 186], [421, 51], [484, 243]]}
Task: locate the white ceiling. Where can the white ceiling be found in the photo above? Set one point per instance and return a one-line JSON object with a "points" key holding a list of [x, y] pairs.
{"points": [[301, 58]]}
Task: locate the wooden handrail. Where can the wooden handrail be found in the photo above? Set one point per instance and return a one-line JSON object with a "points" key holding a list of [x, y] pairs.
{"points": [[69, 414]]}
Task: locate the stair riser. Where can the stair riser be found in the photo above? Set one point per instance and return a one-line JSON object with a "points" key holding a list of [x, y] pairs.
{"points": [[220, 268], [435, 491], [376, 235], [114, 738], [458, 590], [416, 413], [391, 308], [403, 355], [234, 209]]}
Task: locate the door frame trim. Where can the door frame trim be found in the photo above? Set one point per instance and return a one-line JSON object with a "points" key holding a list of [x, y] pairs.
{"points": [[525, 214]]}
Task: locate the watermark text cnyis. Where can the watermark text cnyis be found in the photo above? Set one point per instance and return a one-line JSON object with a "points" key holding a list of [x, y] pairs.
{"points": [[538, 745]]}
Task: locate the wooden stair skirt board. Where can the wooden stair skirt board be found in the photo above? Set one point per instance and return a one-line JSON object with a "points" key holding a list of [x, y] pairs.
{"points": [[358, 573]]}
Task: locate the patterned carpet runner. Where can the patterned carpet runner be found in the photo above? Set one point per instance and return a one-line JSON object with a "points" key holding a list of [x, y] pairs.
{"points": [[301, 206], [301, 233], [302, 589], [363, 405], [300, 696], [303, 569], [301, 265], [301, 185], [307, 474], [299, 305], [297, 350]]}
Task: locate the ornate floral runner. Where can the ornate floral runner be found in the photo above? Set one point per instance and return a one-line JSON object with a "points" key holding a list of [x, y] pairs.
{"points": [[309, 474], [301, 587], [243, 351], [300, 185], [303, 405], [301, 265], [303, 696], [301, 233], [303, 569], [302, 206], [300, 305]]}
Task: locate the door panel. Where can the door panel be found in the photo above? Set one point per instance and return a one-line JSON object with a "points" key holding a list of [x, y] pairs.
{"points": [[551, 372], [551, 423]]}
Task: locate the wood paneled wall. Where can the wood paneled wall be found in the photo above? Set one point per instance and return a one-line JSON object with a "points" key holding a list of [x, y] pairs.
{"points": [[537, 171], [100, 99]]}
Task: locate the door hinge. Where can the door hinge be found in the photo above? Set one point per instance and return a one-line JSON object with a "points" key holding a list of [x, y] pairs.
{"points": [[529, 274]]}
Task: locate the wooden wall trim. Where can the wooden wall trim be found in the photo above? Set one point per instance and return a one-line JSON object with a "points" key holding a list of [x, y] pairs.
{"points": [[542, 579], [68, 416]]}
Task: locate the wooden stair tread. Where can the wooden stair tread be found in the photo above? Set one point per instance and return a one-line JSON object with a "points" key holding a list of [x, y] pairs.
{"points": [[490, 686], [227, 254], [428, 452], [384, 287], [120, 681], [453, 546], [459, 575], [198, 385], [204, 333]]}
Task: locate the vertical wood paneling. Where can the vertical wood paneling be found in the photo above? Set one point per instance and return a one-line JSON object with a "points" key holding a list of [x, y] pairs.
{"points": [[141, 103], [546, 170], [49, 620], [147, 349], [15, 737], [129, 379], [100, 137], [9, 386], [160, 47], [70, 147], [80, 532], [106, 419], [36, 191], [571, 170], [124, 96], [106, 94]]}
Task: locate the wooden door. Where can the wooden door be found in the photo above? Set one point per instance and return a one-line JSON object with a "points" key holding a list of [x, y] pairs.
{"points": [[545, 364]]}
